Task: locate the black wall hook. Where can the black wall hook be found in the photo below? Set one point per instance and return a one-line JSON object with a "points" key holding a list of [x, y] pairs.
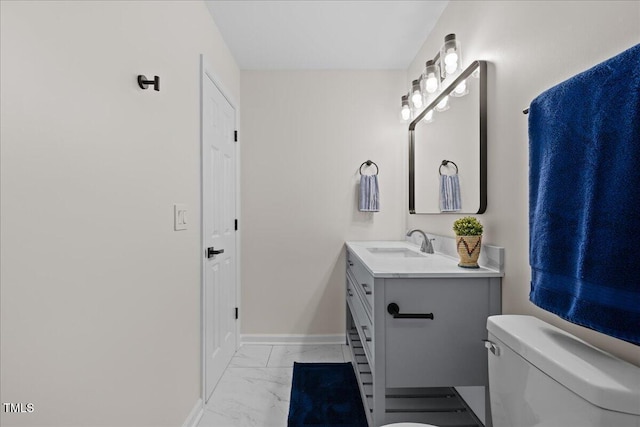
{"points": [[144, 83]]}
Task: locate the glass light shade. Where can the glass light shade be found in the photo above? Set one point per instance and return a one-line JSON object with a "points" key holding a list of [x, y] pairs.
{"points": [[432, 77], [443, 105], [460, 89], [416, 94], [450, 56], [428, 117], [405, 112]]}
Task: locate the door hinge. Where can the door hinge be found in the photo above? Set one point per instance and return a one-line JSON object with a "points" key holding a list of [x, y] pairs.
{"points": [[235, 135], [236, 313], [236, 224]]}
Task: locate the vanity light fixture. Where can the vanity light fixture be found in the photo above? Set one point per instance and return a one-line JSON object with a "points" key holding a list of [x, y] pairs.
{"points": [[442, 69], [405, 113]]}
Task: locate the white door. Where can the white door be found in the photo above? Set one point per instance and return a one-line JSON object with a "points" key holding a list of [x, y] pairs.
{"points": [[219, 236]]}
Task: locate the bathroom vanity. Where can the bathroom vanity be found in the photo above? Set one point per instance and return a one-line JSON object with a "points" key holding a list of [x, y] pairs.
{"points": [[415, 326]]}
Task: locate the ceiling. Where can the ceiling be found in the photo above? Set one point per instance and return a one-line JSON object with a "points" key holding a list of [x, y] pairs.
{"points": [[325, 34]]}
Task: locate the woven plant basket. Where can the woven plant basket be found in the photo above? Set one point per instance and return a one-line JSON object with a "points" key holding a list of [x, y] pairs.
{"points": [[468, 250]]}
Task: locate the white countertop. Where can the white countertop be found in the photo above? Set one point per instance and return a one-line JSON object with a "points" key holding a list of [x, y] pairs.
{"points": [[387, 264]]}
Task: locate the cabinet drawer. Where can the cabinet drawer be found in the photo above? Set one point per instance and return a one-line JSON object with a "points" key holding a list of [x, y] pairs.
{"points": [[446, 350], [360, 290], [362, 278], [361, 319]]}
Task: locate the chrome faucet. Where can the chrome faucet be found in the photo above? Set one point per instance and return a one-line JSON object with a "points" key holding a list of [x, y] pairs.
{"points": [[426, 247]]}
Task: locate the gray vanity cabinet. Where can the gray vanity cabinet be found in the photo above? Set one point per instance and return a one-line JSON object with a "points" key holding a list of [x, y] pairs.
{"points": [[407, 367]]}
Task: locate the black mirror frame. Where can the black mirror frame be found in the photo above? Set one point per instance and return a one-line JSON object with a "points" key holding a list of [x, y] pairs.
{"points": [[482, 66]]}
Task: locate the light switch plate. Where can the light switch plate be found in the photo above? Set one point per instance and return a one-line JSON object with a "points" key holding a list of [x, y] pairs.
{"points": [[179, 217]]}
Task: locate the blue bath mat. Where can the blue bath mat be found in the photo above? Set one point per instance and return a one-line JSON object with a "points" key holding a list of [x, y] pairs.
{"points": [[325, 394]]}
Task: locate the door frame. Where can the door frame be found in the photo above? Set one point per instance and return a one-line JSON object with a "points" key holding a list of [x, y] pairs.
{"points": [[207, 70]]}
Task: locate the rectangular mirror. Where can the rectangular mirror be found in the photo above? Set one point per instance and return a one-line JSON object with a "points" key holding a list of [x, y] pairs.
{"points": [[448, 153]]}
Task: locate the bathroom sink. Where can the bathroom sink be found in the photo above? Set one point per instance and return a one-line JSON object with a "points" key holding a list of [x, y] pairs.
{"points": [[396, 252]]}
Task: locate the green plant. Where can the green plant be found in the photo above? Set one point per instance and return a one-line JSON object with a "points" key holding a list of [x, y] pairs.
{"points": [[467, 226]]}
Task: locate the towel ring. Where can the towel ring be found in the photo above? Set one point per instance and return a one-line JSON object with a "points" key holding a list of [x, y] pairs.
{"points": [[445, 163], [369, 163]]}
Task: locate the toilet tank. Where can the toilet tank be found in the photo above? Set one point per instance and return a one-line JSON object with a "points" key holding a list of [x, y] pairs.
{"points": [[542, 376]]}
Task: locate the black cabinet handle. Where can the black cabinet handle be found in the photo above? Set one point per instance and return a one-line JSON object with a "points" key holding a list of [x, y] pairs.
{"points": [[394, 310]]}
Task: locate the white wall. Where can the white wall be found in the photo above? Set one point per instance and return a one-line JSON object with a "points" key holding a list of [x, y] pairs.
{"points": [[530, 46], [304, 135], [100, 297]]}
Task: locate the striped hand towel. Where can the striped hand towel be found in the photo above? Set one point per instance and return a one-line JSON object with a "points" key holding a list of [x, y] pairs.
{"points": [[450, 193], [369, 194]]}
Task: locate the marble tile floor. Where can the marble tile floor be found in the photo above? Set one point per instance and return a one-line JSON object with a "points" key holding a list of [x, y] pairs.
{"points": [[256, 386]]}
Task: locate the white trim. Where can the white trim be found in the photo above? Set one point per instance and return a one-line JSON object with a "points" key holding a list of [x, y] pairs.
{"points": [[207, 68], [195, 415], [203, 390], [286, 339]]}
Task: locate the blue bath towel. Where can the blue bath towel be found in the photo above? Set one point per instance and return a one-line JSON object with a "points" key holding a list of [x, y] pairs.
{"points": [[369, 194], [584, 198], [450, 193]]}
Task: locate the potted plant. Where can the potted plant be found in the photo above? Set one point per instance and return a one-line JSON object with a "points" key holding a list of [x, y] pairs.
{"points": [[468, 240]]}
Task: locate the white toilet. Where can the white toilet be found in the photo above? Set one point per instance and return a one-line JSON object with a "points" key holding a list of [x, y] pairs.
{"points": [[541, 376]]}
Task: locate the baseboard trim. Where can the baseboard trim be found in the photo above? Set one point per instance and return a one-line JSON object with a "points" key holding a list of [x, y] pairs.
{"points": [[195, 415], [287, 339]]}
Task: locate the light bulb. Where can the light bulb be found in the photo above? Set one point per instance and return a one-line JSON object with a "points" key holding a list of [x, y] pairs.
{"points": [[461, 89], [406, 112], [432, 84], [443, 104], [451, 62], [416, 98], [451, 58], [416, 95], [432, 76], [428, 117]]}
